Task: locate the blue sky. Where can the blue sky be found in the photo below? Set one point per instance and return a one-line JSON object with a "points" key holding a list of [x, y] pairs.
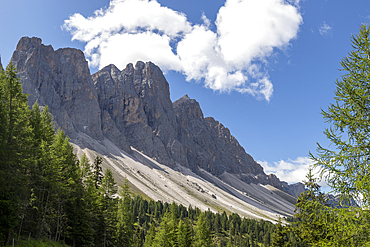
{"points": [[263, 68]]}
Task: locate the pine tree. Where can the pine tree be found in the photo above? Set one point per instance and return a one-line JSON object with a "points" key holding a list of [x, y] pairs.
{"points": [[346, 167], [98, 171], [108, 206], [312, 214], [64, 179], [202, 236], [125, 219], [15, 143], [184, 234], [279, 237], [38, 171], [149, 239]]}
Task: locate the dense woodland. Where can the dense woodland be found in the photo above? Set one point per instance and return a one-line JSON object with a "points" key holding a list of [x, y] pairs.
{"points": [[47, 193]]}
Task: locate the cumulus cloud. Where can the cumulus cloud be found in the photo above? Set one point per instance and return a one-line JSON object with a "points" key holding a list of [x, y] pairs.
{"points": [[324, 29], [291, 171], [231, 58]]}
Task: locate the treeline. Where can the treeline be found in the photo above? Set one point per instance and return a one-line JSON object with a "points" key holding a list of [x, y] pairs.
{"points": [[47, 193]]}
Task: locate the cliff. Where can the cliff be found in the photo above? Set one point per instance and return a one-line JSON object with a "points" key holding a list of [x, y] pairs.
{"points": [[132, 109]]}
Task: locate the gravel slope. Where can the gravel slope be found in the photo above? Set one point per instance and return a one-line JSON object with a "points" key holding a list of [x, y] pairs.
{"points": [[159, 182]]}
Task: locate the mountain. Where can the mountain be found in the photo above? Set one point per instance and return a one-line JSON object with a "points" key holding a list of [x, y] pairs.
{"points": [[167, 150]]}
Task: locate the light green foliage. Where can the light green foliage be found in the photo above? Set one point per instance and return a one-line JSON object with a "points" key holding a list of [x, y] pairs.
{"points": [[314, 218], [163, 236], [346, 166], [320, 225], [149, 239], [107, 205], [279, 237], [184, 234], [202, 236]]}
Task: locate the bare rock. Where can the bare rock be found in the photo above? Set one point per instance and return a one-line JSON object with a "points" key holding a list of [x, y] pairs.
{"points": [[138, 101], [60, 79], [131, 108], [294, 189]]}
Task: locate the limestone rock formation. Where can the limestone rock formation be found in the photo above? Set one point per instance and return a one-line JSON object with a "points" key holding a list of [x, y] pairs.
{"points": [[60, 79], [294, 189], [138, 101], [131, 108]]}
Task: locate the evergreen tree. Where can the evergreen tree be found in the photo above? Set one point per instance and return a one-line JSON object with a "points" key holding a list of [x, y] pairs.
{"points": [[98, 171], [163, 236], [108, 207], [15, 143], [38, 172], [149, 239], [125, 219], [279, 237], [91, 197], [202, 236], [312, 213], [184, 234], [64, 179], [346, 167]]}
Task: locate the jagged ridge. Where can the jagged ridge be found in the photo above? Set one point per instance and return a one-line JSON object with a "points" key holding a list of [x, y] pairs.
{"points": [[131, 108]]}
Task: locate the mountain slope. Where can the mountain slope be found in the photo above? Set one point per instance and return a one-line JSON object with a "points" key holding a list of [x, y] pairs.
{"points": [[127, 117]]}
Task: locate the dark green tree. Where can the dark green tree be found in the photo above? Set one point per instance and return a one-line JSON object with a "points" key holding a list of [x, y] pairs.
{"points": [[149, 238], [108, 203], [64, 177], [312, 213], [15, 144], [98, 171], [125, 219], [38, 172]]}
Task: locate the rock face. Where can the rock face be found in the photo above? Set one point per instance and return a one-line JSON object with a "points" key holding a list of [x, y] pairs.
{"points": [[137, 101], [131, 108], [60, 79], [294, 189]]}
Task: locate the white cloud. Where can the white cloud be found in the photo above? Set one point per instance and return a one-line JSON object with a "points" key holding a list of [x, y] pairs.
{"points": [[151, 46], [250, 30], [233, 58], [324, 28], [291, 171]]}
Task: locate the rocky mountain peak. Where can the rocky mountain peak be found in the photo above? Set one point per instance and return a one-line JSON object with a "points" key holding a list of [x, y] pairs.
{"points": [[26, 43], [60, 79], [188, 106], [130, 108]]}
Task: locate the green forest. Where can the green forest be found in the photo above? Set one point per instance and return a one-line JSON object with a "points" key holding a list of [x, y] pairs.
{"points": [[50, 198]]}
